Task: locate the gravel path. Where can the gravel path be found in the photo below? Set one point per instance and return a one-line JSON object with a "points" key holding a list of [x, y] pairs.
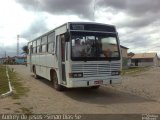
{"points": [[145, 84], [137, 94]]}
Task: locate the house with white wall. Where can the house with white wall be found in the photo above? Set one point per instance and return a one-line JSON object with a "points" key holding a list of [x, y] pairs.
{"points": [[145, 59], [124, 52]]}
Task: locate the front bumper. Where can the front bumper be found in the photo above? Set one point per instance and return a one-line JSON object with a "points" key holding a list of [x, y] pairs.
{"points": [[79, 82]]}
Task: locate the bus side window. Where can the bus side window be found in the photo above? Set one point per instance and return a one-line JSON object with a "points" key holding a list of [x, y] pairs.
{"points": [[37, 49], [44, 48], [38, 45], [50, 47], [34, 50], [40, 49], [44, 40], [51, 42], [30, 49]]}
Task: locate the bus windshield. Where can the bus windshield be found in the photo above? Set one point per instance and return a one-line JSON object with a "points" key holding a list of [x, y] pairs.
{"points": [[94, 46]]}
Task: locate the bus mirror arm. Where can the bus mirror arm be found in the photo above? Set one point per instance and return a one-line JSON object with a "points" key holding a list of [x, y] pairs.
{"points": [[54, 53]]}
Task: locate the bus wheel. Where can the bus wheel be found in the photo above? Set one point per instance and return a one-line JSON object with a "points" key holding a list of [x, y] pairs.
{"points": [[95, 87], [35, 74], [55, 83]]}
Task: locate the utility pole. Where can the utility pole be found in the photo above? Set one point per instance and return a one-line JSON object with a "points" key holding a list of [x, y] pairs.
{"points": [[94, 8], [5, 54], [17, 45], [5, 58]]}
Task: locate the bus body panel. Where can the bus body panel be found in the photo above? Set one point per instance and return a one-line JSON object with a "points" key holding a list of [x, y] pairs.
{"points": [[45, 62], [93, 71]]}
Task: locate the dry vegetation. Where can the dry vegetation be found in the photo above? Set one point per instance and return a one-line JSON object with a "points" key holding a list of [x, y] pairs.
{"points": [[3, 80]]}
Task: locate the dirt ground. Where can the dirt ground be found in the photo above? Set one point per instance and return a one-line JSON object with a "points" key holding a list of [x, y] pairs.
{"points": [[138, 93]]}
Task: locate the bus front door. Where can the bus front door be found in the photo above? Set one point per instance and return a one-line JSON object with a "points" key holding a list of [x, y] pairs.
{"points": [[61, 58], [30, 57]]}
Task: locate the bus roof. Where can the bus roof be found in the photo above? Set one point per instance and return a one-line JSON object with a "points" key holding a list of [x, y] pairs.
{"points": [[69, 23]]}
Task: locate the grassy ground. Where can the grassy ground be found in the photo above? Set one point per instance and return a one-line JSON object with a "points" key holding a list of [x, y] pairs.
{"points": [[134, 70], [18, 87], [19, 91], [3, 80]]}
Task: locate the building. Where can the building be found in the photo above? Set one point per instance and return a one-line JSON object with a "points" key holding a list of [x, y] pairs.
{"points": [[20, 59], [145, 59], [2, 60], [124, 52], [14, 60]]}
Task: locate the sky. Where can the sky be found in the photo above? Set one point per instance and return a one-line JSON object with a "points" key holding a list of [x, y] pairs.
{"points": [[137, 22]]}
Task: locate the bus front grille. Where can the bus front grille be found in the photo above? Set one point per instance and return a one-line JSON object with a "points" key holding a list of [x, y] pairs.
{"points": [[95, 70]]}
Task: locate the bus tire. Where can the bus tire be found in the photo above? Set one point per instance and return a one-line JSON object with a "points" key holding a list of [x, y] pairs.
{"points": [[55, 82], [95, 87], [35, 74]]}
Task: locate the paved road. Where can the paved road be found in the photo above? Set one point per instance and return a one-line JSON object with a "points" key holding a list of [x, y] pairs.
{"points": [[42, 98]]}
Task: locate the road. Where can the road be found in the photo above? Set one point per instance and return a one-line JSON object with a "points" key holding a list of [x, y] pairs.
{"points": [[137, 94]]}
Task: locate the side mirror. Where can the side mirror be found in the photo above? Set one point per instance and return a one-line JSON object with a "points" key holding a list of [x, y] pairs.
{"points": [[67, 37]]}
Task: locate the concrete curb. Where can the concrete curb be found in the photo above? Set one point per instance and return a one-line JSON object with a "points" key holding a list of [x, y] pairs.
{"points": [[10, 92]]}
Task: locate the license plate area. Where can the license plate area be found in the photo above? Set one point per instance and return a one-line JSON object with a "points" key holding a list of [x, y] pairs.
{"points": [[98, 82]]}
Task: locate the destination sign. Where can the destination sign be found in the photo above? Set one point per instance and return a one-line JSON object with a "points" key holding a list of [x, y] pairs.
{"points": [[93, 27], [77, 27]]}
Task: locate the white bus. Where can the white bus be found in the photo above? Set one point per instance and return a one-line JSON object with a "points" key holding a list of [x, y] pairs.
{"points": [[77, 54]]}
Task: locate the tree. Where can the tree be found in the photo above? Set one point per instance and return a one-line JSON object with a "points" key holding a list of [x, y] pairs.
{"points": [[25, 49], [131, 54]]}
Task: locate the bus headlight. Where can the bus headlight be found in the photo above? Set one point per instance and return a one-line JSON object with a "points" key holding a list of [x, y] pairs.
{"points": [[113, 73], [75, 75]]}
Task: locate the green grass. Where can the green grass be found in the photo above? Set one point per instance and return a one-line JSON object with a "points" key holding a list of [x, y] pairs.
{"points": [[3, 80], [19, 89], [134, 70]]}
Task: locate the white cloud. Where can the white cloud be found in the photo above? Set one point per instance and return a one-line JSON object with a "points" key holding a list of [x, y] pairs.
{"points": [[138, 27], [57, 20], [14, 19]]}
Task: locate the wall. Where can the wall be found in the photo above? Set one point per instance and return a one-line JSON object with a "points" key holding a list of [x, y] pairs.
{"points": [[124, 52], [20, 60], [124, 57], [2, 61], [142, 62], [156, 61]]}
